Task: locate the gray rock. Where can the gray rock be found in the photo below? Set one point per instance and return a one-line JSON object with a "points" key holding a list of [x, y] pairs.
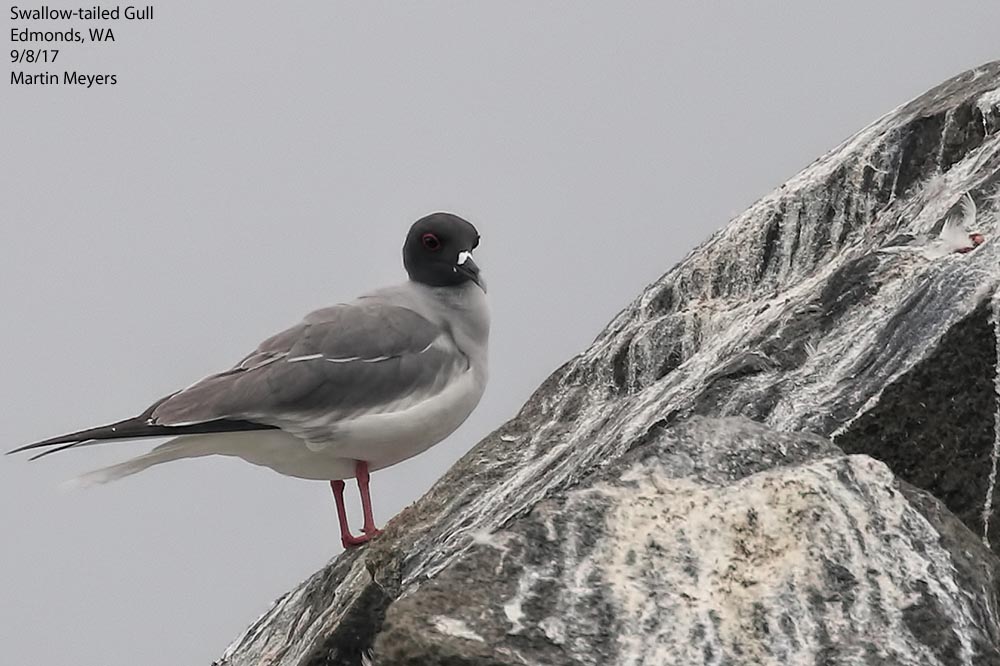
{"points": [[632, 513], [719, 542]]}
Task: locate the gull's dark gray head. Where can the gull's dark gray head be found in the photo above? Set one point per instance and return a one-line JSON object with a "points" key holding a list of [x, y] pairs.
{"points": [[438, 251]]}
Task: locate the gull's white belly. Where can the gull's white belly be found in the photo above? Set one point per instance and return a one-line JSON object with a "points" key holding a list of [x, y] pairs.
{"points": [[380, 439]]}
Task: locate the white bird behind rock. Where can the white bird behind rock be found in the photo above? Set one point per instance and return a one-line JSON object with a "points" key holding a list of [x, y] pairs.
{"points": [[958, 234]]}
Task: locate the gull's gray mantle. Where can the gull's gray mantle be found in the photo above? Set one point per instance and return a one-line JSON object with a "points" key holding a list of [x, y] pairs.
{"points": [[657, 500]]}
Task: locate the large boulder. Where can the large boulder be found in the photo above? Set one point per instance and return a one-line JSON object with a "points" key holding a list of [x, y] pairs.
{"points": [[742, 468]]}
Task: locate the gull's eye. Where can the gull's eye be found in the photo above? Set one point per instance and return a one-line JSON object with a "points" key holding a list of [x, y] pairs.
{"points": [[431, 242]]}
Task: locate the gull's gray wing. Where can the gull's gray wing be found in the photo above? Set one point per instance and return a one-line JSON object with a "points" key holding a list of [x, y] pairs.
{"points": [[339, 362]]}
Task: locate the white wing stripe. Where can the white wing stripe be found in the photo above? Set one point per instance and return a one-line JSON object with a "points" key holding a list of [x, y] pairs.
{"points": [[258, 360], [314, 357], [310, 357]]}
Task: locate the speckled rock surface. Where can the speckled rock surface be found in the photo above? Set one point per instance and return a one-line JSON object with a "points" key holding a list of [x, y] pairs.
{"points": [[631, 513], [719, 542]]}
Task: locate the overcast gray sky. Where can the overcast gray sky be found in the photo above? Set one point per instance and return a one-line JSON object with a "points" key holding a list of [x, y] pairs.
{"points": [[258, 160]]}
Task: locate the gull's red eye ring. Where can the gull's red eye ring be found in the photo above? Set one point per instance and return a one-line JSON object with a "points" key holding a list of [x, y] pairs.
{"points": [[431, 242]]}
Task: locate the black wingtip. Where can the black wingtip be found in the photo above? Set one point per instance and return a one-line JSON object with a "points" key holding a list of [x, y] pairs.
{"points": [[110, 431], [137, 427], [38, 445], [57, 449]]}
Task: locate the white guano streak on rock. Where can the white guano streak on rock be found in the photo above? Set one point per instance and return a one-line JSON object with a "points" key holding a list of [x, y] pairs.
{"points": [[544, 451], [714, 326], [968, 283], [457, 628], [760, 544], [263, 643], [554, 629], [498, 541], [988, 101], [995, 454], [821, 378], [262, 625], [512, 608]]}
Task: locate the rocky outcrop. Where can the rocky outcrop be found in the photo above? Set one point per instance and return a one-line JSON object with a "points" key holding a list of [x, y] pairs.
{"points": [[719, 541], [658, 500]]}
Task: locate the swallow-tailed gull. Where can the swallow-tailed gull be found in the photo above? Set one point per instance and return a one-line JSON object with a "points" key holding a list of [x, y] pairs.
{"points": [[352, 388]]}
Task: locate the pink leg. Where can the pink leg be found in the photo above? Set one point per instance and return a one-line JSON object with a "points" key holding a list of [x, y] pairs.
{"points": [[346, 537], [361, 473]]}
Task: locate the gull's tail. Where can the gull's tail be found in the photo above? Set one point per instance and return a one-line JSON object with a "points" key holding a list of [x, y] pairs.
{"points": [[161, 454], [190, 446]]}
